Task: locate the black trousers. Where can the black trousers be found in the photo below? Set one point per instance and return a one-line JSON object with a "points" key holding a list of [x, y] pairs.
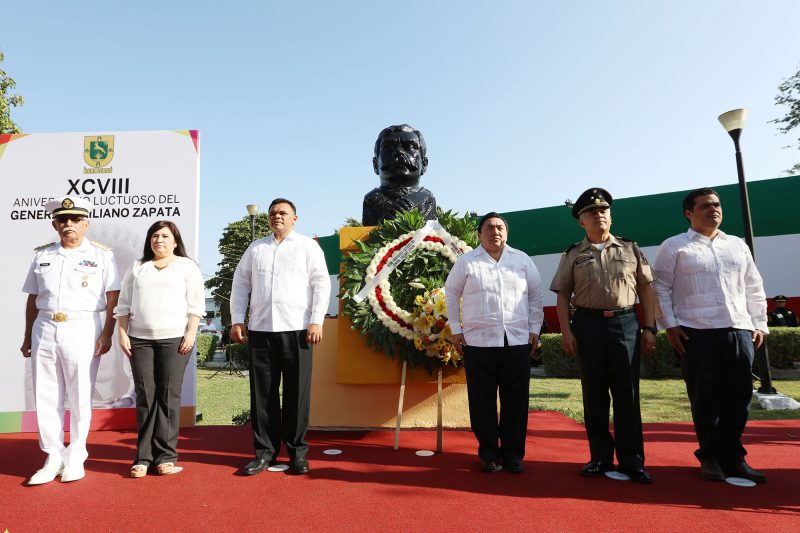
{"points": [[272, 355], [608, 357], [158, 371], [717, 371], [508, 369]]}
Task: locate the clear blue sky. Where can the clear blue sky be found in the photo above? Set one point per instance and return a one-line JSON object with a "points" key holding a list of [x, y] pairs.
{"points": [[522, 103]]}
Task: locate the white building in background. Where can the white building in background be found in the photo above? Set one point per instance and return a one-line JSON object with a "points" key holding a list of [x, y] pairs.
{"points": [[212, 310]]}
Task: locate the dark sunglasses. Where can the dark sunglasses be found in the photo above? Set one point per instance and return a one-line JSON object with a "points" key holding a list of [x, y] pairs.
{"points": [[62, 219]]}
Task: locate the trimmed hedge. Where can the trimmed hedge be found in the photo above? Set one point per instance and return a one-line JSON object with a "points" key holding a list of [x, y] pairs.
{"points": [[784, 346], [556, 363], [784, 350], [660, 363], [206, 346]]}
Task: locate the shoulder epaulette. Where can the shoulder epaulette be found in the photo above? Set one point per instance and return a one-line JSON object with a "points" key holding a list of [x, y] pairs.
{"points": [[626, 240], [573, 245], [42, 247], [101, 246]]}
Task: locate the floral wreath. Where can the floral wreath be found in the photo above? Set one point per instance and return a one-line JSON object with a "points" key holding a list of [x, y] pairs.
{"points": [[405, 315]]}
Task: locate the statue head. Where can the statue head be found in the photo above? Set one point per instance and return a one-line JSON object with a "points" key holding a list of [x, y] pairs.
{"points": [[400, 157]]}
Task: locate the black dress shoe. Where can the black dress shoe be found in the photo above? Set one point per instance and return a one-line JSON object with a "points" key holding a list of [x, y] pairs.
{"points": [[596, 468], [742, 469], [515, 467], [637, 474], [299, 467], [257, 465], [490, 466], [710, 469]]}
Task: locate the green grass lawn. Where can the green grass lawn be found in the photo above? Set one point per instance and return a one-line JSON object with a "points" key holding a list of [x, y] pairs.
{"points": [[663, 400], [221, 397]]}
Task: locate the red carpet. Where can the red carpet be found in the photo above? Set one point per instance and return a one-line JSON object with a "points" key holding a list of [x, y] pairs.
{"points": [[371, 487]]}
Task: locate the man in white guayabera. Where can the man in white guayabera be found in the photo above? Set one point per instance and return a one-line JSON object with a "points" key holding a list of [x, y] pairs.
{"points": [[285, 279], [500, 295], [713, 306]]}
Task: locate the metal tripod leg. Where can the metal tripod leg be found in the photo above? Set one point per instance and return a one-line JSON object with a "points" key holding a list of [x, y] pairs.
{"points": [[230, 365]]}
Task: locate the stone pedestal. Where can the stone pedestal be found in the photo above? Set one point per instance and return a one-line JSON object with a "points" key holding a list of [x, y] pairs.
{"points": [[337, 404], [354, 386], [772, 402]]}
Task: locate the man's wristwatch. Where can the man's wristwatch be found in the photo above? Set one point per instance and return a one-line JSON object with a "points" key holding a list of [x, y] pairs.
{"points": [[651, 329]]}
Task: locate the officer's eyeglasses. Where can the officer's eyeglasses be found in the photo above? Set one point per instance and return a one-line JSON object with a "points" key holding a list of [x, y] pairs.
{"points": [[62, 219]]}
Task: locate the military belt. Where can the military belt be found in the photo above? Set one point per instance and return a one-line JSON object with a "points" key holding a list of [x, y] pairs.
{"points": [[605, 313]]}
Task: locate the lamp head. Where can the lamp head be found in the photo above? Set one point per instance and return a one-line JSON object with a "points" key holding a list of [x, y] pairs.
{"points": [[252, 210], [733, 122], [733, 119]]}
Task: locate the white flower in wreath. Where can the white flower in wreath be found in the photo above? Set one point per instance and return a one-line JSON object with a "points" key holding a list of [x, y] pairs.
{"points": [[385, 286]]}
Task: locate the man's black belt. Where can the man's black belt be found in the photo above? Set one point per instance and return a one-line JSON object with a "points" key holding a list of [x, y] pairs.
{"points": [[605, 313]]}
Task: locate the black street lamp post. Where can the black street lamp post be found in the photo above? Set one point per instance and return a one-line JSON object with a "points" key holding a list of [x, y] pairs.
{"points": [[733, 122]]}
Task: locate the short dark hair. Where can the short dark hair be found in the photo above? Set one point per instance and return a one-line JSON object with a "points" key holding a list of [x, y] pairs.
{"points": [[282, 201], [487, 216], [401, 127], [688, 202], [180, 249]]}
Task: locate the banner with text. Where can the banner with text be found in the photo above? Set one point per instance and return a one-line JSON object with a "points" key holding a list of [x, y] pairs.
{"points": [[131, 179]]}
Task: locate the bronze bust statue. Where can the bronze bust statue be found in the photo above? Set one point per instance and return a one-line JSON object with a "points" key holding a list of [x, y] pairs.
{"points": [[400, 161]]}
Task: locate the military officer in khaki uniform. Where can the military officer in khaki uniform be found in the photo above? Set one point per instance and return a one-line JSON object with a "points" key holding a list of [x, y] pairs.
{"points": [[72, 288], [602, 276]]}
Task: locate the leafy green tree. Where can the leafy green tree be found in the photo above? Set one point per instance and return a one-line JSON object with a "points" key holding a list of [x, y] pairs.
{"points": [[789, 95], [8, 101], [349, 222], [233, 243]]}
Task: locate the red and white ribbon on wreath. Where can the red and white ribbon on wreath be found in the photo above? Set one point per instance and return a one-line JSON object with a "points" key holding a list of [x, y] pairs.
{"points": [[377, 288], [394, 258]]}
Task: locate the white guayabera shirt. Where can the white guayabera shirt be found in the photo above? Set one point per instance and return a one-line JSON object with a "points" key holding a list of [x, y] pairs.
{"points": [[286, 283], [707, 283], [497, 298]]}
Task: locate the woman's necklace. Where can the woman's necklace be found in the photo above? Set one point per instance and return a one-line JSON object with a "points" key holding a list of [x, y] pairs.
{"points": [[164, 262]]}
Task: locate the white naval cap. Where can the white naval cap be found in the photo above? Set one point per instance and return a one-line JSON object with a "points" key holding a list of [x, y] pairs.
{"points": [[68, 205]]}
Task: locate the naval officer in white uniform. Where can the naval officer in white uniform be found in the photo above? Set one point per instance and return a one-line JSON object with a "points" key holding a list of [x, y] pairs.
{"points": [[72, 288]]}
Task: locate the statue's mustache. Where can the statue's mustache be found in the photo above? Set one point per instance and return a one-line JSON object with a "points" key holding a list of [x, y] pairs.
{"points": [[402, 160]]}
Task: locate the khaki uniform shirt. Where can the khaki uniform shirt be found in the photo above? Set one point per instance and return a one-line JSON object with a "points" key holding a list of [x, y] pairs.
{"points": [[604, 279]]}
